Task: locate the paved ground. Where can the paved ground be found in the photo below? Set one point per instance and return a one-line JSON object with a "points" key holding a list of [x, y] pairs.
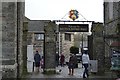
{"points": [[64, 74]]}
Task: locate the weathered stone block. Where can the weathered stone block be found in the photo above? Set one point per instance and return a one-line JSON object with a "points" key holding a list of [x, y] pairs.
{"points": [[8, 44], [12, 23], [8, 73], [8, 52], [8, 62]]}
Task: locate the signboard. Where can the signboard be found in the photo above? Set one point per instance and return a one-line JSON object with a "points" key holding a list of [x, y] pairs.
{"points": [[93, 67], [73, 28], [115, 60]]}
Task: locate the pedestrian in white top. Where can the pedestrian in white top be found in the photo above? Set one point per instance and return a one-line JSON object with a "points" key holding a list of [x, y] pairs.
{"points": [[85, 62]]}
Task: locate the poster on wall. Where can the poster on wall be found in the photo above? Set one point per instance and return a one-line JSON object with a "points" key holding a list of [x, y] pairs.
{"points": [[30, 58]]}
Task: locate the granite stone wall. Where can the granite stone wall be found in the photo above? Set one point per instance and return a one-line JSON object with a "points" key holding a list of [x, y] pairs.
{"points": [[12, 24], [24, 47], [9, 26], [50, 47], [111, 21], [98, 46]]}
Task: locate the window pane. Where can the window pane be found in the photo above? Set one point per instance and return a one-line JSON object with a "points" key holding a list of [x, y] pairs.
{"points": [[68, 36], [39, 36]]}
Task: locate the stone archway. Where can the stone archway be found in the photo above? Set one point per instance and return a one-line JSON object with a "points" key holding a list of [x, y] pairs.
{"points": [[50, 42]]}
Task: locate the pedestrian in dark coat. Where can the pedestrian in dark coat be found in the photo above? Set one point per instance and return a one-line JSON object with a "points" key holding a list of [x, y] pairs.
{"points": [[72, 63], [57, 59], [62, 60], [37, 59]]}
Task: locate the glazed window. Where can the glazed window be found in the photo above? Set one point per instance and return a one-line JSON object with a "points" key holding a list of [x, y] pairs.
{"points": [[39, 36], [67, 36]]}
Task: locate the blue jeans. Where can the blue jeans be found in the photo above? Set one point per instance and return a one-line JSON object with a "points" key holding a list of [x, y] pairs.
{"points": [[85, 71]]}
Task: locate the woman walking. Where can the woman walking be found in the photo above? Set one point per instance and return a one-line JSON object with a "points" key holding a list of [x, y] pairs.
{"points": [[71, 64]]}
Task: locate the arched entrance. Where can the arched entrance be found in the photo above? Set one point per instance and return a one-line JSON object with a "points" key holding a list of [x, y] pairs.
{"points": [[52, 40]]}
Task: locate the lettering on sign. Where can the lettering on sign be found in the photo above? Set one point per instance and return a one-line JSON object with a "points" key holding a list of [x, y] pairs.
{"points": [[73, 28]]}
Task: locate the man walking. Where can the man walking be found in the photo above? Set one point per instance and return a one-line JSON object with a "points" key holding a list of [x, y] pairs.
{"points": [[85, 62], [57, 59], [37, 59]]}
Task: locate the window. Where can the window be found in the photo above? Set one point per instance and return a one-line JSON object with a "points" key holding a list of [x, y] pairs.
{"points": [[39, 36], [68, 36]]}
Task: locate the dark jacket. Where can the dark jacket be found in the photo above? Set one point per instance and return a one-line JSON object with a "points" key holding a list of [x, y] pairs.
{"points": [[37, 57], [73, 60], [62, 58], [57, 57]]}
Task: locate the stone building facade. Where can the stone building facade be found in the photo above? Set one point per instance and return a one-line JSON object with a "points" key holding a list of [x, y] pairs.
{"points": [[42, 35], [111, 29], [36, 34], [36, 31], [66, 41], [11, 15]]}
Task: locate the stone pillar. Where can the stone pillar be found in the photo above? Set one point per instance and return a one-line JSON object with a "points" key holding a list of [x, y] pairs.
{"points": [[99, 46], [90, 46], [12, 16], [20, 20], [24, 47], [49, 48], [99, 52]]}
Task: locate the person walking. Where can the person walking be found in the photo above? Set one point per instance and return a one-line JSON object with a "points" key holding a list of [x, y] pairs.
{"points": [[85, 62], [42, 62], [37, 59], [71, 64], [62, 60], [57, 59]]}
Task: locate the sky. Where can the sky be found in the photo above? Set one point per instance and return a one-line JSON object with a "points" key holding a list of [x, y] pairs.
{"points": [[91, 10]]}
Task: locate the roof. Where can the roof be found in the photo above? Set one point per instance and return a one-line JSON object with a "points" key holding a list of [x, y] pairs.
{"points": [[115, 44], [37, 25], [26, 19]]}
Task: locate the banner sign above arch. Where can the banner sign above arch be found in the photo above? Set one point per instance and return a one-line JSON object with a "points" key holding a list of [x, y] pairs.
{"points": [[73, 27]]}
